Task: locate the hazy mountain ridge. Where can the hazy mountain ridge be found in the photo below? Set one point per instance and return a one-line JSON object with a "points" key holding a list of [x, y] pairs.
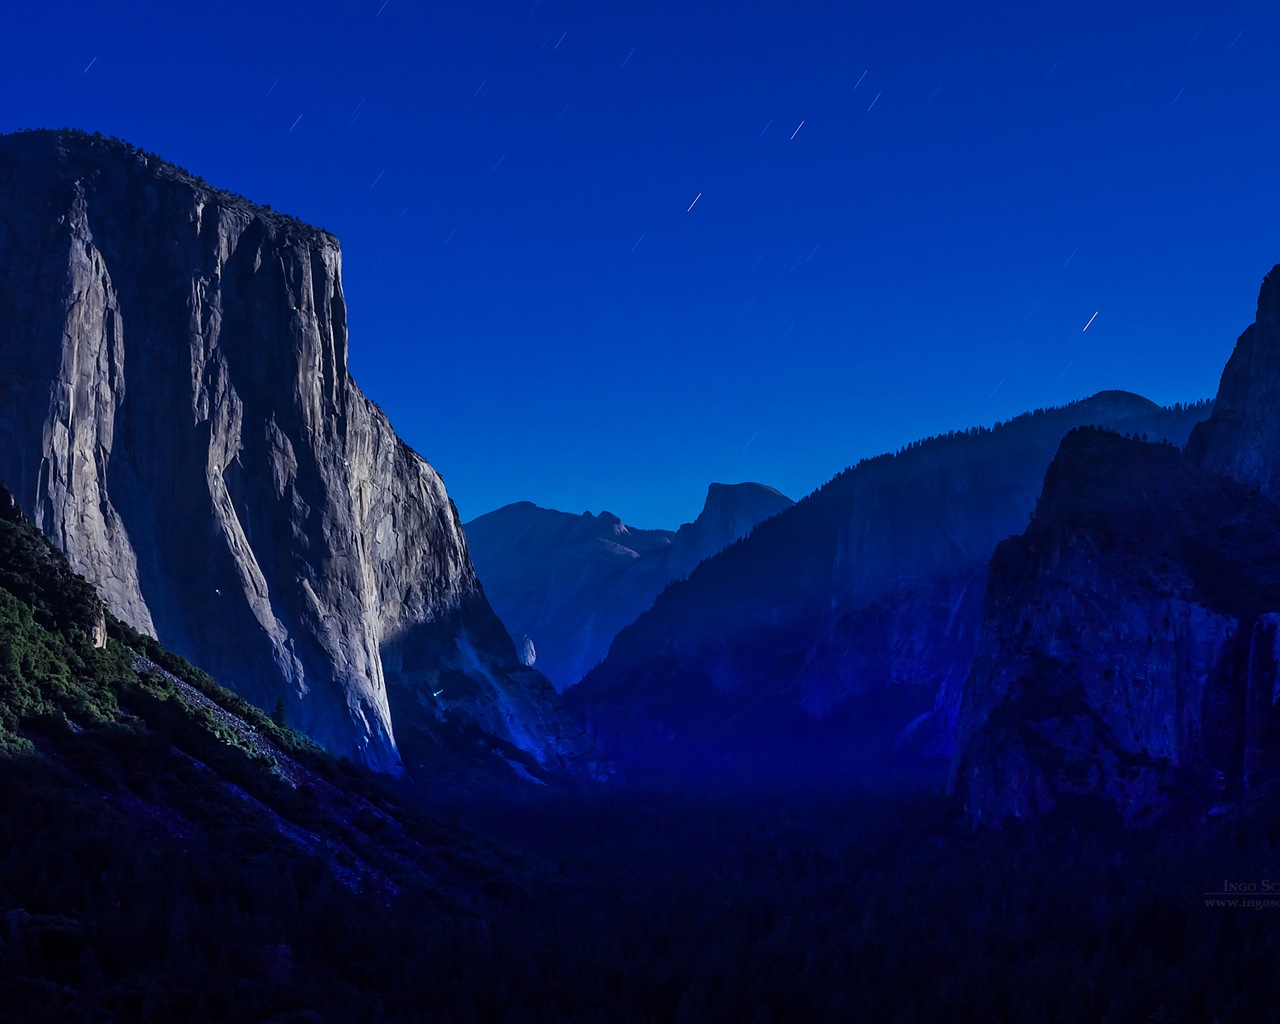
{"points": [[567, 584], [182, 423], [838, 635]]}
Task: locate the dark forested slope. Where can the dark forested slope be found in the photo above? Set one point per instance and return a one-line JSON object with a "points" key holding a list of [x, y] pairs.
{"points": [[169, 852]]}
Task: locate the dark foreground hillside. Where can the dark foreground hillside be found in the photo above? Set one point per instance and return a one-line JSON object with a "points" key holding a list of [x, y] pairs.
{"points": [[863, 906], [168, 853]]}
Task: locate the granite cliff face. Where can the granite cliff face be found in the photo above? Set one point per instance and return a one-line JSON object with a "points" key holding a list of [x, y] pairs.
{"points": [[1241, 439], [179, 419], [565, 584], [836, 638], [1129, 647]]}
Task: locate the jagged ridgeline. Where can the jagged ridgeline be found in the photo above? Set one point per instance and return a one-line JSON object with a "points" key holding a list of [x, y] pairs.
{"points": [[181, 423]]}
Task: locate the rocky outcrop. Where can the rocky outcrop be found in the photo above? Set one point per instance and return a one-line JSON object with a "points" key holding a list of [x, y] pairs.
{"points": [[180, 420], [1241, 439], [565, 584], [1129, 645], [730, 512], [837, 637]]}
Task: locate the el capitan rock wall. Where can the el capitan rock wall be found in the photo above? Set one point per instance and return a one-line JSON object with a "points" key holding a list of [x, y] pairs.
{"points": [[180, 420]]}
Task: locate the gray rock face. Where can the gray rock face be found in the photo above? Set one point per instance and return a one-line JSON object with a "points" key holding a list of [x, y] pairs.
{"points": [[1242, 437], [1129, 642], [837, 637], [525, 650], [179, 419], [729, 514], [568, 583]]}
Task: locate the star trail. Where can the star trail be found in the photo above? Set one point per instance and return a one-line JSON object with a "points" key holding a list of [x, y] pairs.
{"points": [[846, 212]]}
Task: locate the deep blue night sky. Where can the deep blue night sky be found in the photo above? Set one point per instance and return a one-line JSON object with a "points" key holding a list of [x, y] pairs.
{"points": [[544, 317]]}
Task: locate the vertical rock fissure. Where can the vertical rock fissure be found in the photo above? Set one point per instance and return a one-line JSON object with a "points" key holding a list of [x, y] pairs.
{"points": [[213, 501]]}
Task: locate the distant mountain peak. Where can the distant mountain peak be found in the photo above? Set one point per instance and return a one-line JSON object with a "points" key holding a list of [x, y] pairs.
{"points": [[1116, 396], [568, 583], [727, 496]]}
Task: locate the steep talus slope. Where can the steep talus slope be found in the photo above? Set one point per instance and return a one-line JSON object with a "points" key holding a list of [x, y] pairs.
{"points": [[181, 422], [837, 636], [1129, 644], [565, 584]]}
